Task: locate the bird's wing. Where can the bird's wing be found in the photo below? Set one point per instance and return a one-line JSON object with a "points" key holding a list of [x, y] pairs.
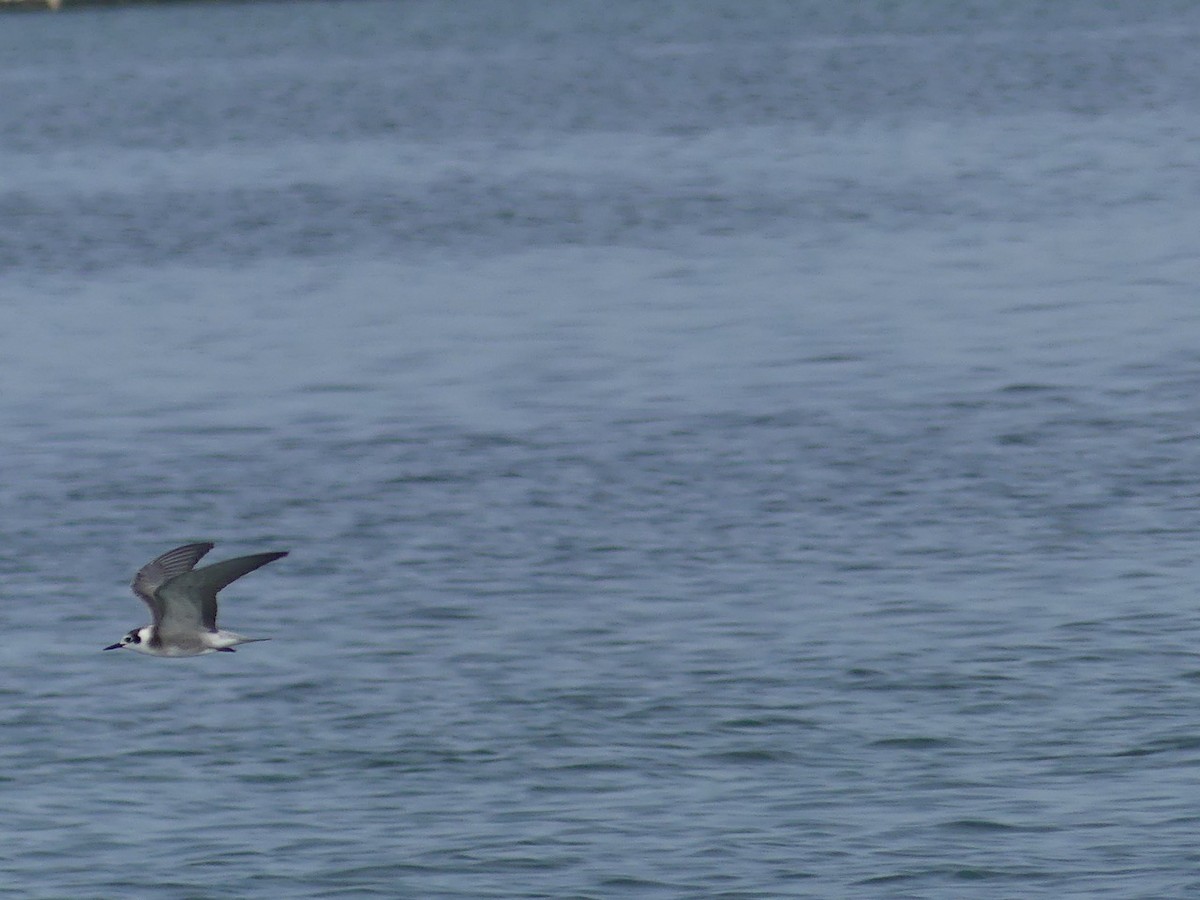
{"points": [[189, 600], [158, 572]]}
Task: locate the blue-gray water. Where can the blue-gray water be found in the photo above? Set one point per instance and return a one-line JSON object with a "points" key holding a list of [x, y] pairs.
{"points": [[726, 450]]}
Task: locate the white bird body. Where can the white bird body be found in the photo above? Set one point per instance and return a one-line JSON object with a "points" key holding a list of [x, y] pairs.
{"points": [[205, 642], [183, 600]]}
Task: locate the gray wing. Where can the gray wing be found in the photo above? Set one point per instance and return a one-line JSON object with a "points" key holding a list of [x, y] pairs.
{"points": [[158, 572], [189, 600]]}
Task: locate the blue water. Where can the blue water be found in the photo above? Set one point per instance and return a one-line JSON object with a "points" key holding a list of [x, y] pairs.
{"points": [[725, 451]]}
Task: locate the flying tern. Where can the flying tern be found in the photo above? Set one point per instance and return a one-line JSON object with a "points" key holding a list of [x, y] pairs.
{"points": [[183, 600]]}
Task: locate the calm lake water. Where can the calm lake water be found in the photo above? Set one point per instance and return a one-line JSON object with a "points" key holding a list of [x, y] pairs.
{"points": [[726, 451]]}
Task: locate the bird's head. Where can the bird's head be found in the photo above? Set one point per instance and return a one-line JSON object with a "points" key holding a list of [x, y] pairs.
{"points": [[135, 640]]}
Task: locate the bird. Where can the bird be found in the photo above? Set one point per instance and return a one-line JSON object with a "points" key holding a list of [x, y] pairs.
{"points": [[183, 600]]}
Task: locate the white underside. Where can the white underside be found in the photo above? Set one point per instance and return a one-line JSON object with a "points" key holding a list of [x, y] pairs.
{"points": [[195, 643]]}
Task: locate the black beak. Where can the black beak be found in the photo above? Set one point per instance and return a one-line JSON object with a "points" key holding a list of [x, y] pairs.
{"points": [[113, 647]]}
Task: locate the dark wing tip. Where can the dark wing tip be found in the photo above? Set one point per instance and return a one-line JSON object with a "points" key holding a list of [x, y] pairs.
{"points": [[193, 546]]}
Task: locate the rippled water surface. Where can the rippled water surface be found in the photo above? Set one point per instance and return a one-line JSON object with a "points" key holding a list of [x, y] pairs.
{"points": [[725, 451]]}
